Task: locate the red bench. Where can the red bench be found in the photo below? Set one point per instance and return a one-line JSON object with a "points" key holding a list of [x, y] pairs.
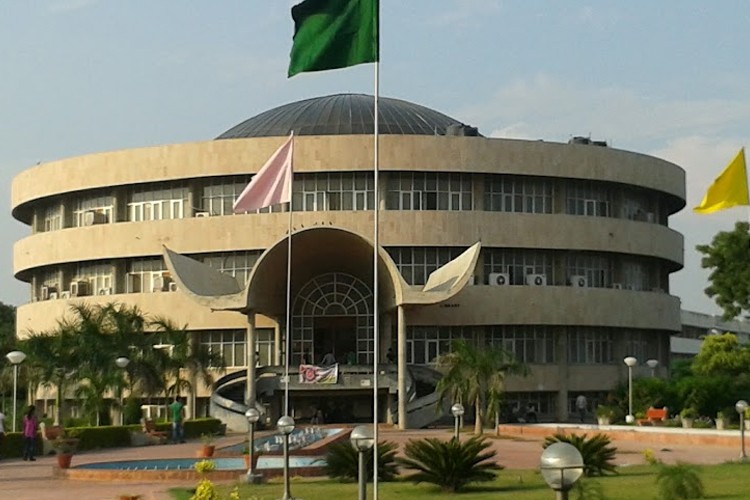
{"points": [[654, 416]]}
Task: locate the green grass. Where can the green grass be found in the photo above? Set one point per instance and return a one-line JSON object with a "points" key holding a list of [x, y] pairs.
{"points": [[725, 482]]}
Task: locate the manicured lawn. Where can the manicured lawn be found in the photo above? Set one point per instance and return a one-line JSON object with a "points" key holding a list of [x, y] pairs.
{"points": [[725, 482]]}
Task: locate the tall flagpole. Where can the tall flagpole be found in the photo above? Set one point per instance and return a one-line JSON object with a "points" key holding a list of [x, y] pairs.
{"points": [[287, 339], [376, 239]]}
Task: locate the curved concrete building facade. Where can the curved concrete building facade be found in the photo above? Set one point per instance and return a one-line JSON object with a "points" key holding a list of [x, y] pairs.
{"points": [[572, 274]]}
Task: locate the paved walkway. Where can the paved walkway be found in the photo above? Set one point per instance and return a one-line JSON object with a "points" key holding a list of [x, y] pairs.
{"points": [[34, 480]]}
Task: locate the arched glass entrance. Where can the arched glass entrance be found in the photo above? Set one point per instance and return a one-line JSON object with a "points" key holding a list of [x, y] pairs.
{"points": [[333, 312]]}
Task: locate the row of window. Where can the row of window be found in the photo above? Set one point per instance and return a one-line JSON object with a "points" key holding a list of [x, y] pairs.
{"points": [[355, 191], [529, 344]]}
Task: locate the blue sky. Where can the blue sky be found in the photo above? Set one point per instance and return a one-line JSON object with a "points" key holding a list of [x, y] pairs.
{"points": [[667, 78]]}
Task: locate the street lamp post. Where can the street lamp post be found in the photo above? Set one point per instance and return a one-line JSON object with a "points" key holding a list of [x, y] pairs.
{"points": [[15, 358], [631, 362], [652, 363], [741, 406], [252, 415], [561, 466], [122, 362], [285, 425], [362, 440], [458, 411]]}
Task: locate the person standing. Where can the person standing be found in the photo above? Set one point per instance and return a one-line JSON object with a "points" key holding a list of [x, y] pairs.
{"points": [[581, 404], [30, 425], [2, 429], [177, 416]]}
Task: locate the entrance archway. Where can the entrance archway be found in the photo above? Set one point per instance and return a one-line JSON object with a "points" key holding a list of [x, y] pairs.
{"points": [[333, 312]]}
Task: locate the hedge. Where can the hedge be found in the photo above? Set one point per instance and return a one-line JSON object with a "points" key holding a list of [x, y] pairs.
{"points": [[91, 438]]}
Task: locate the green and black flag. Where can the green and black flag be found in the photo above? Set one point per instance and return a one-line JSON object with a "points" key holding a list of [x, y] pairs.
{"points": [[331, 34]]}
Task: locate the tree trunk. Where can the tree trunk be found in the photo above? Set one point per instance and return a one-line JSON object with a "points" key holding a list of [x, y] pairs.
{"points": [[478, 427]]}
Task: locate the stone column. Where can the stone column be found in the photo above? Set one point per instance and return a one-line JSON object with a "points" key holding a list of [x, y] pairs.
{"points": [[277, 344], [562, 375], [402, 424], [251, 361]]}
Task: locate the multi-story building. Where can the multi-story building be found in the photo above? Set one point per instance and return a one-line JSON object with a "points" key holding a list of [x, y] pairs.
{"points": [[572, 275]]}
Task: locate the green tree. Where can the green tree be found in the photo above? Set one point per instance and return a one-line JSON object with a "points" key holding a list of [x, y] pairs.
{"points": [[722, 355], [476, 376], [7, 344], [728, 256]]}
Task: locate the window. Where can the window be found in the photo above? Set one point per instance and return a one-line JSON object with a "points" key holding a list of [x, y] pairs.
{"points": [[51, 218], [416, 263], [157, 202], [230, 344], [505, 193], [424, 344], [518, 264], [334, 191], [97, 278], [219, 194], [597, 269], [588, 198], [529, 344], [147, 275], [92, 210], [587, 346], [238, 264], [429, 191]]}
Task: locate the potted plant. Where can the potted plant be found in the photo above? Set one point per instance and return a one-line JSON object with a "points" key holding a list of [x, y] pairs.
{"points": [[64, 449], [604, 414], [722, 420], [747, 419], [207, 448], [688, 416]]}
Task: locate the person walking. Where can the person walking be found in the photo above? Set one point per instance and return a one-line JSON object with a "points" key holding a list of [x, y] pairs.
{"points": [[177, 416], [30, 425], [2, 430], [581, 404]]}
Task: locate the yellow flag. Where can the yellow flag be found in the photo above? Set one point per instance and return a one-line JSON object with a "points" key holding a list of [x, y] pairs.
{"points": [[728, 190]]}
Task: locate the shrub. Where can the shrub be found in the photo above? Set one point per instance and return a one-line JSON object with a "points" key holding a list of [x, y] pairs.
{"points": [[689, 412], [449, 464], [585, 489], [99, 437], [678, 482], [195, 428], [596, 452], [342, 462], [650, 457]]}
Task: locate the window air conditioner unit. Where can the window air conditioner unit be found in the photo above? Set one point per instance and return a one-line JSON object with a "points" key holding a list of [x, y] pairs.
{"points": [[499, 279], [79, 288], [105, 291], [53, 296], [45, 292], [579, 281], [536, 279], [65, 295], [202, 214], [173, 287], [617, 286]]}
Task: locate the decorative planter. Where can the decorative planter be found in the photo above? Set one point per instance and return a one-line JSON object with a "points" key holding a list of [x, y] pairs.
{"points": [[207, 450], [687, 422], [721, 423], [603, 420], [64, 459], [246, 457], [747, 425]]}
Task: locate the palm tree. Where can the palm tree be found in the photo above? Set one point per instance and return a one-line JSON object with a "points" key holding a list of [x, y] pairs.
{"points": [[183, 356], [476, 376]]}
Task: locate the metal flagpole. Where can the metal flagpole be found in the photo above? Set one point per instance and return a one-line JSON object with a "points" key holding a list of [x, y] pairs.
{"points": [[376, 245], [287, 339]]}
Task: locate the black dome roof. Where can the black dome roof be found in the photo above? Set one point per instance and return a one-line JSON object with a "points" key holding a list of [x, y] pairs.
{"points": [[344, 114]]}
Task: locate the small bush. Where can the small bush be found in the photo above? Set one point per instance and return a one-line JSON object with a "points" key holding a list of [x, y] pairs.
{"points": [[650, 457], [679, 482], [596, 452], [586, 489], [197, 427], [342, 462], [449, 464], [91, 438]]}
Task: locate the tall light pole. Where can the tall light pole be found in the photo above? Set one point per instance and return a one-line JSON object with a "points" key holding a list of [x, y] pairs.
{"points": [[285, 425], [362, 439], [631, 362], [252, 415], [458, 411], [15, 358], [122, 362], [652, 363], [741, 406]]}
